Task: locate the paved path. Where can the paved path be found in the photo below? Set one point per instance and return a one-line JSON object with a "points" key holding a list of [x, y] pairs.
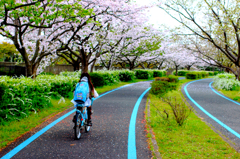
{"points": [[108, 137], [221, 113]]}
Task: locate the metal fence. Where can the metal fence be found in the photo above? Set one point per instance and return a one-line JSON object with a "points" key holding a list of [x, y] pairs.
{"points": [[12, 70], [56, 69]]}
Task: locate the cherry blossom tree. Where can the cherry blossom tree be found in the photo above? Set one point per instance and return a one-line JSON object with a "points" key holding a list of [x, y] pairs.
{"points": [[29, 24], [141, 45], [215, 23], [84, 42], [178, 56]]}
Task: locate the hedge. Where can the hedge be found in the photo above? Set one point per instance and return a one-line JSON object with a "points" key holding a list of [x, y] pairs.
{"points": [[159, 73], [198, 74], [97, 79], [192, 75], [126, 75], [22, 96], [143, 74], [181, 72]]}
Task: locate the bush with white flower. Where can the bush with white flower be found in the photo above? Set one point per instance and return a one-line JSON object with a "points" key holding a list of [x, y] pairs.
{"points": [[226, 81]]}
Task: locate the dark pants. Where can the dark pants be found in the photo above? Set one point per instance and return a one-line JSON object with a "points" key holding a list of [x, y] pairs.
{"points": [[89, 112]]}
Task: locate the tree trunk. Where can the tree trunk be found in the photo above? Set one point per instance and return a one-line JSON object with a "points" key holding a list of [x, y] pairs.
{"points": [[92, 66], [29, 70], [176, 70], [84, 68], [76, 67], [131, 66]]}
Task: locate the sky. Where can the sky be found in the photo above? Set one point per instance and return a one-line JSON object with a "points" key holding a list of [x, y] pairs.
{"points": [[158, 16]]}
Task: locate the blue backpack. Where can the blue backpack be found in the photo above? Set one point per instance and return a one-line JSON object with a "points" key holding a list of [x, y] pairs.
{"points": [[81, 92]]}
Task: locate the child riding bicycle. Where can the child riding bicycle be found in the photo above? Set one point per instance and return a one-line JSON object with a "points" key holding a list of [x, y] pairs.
{"points": [[85, 77]]}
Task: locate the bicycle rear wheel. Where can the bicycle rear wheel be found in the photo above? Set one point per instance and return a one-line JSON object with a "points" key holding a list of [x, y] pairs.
{"points": [[77, 129]]}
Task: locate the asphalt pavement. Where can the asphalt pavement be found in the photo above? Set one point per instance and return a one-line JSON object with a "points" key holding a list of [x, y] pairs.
{"points": [[215, 109], [108, 137]]}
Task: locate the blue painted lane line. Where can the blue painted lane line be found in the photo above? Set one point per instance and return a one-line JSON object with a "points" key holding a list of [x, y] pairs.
{"points": [[132, 152], [210, 85], [35, 136], [207, 113]]}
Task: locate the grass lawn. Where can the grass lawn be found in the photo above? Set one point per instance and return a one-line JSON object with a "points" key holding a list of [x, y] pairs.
{"points": [[194, 139], [235, 95], [14, 129]]}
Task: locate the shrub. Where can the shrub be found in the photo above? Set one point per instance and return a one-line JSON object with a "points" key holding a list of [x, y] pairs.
{"points": [[199, 74], [157, 73], [162, 79], [110, 77], [164, 73], [225, 76], [169, 78], [143, 74], [97, 79], [3, 87], [181, 110], [23, 96], [191, 75], [160, 88], [76, 74], [46, 73], [60, 84], [211, 73], [173, 78], [215, 72], [181, 72], [126, 75], [226, 81], [204, 74]]}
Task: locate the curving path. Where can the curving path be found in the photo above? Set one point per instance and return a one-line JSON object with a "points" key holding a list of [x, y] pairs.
{"points": [[222, 113], [108, 138]]}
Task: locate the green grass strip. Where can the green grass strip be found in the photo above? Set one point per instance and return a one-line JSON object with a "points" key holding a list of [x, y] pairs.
{"points": [[195, 139]]}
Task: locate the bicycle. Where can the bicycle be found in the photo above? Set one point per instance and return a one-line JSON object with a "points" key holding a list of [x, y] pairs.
{"points": [[80, 120]]}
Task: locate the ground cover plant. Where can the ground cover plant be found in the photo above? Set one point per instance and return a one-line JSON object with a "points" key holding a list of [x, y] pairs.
{"points": [[193, 139]]}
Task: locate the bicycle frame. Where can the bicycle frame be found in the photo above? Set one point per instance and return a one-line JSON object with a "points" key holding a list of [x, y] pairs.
{"points": [[81, 110]]}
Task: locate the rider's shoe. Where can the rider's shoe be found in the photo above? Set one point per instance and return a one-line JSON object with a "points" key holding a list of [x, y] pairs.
{"points": [[89, 123]]}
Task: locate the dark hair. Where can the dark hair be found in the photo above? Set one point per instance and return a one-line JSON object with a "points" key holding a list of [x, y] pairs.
{"points": [[89, 80]]}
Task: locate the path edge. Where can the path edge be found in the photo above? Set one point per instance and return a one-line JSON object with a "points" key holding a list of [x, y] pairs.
{"points": [[153, 142]]}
